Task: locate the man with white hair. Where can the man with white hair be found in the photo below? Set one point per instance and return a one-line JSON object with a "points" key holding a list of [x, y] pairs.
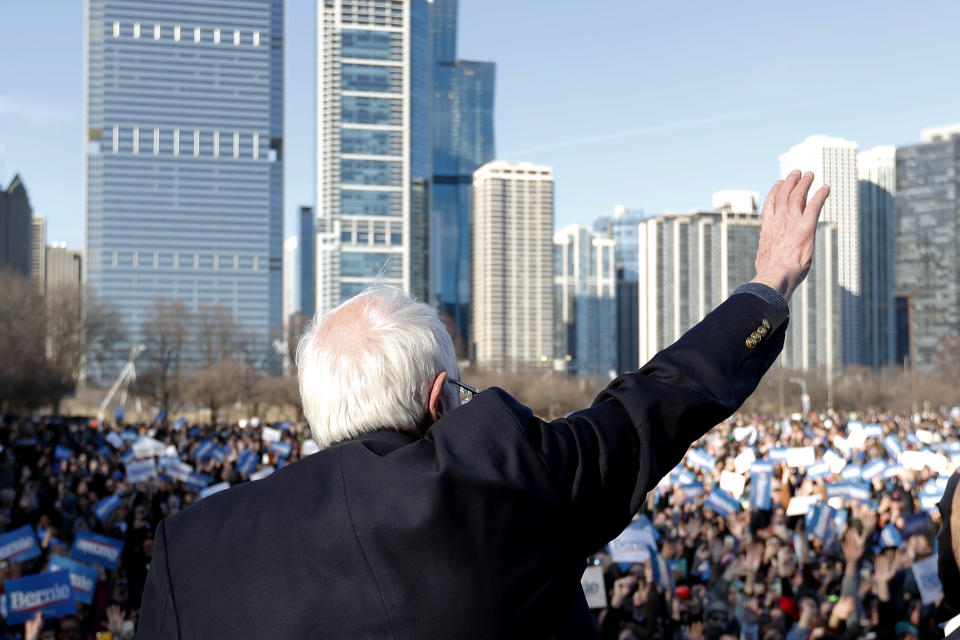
{"points": [[422, 518]]}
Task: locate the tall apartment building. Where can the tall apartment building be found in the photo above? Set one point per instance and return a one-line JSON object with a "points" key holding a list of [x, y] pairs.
{"points": [[876, 169], [834, 162], [585, 309], [16, 228], [621, 225], [184, 165], [308, 261], [63, 268], [512, 305], [39, 253], [690, 263], [927, 277], [373, 154], [462, 126]]}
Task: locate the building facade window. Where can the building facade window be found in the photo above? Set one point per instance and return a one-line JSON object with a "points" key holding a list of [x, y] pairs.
{"points": [[256, 146], [196, 143], [116, 138], [256, 38], [157, 32], [236, 144], [176, 33], [216, 144], [156, 141], [116, 28], [136, 139], [136, 30], [176, 142], [216, 36], [196, 34], [236, 37]]}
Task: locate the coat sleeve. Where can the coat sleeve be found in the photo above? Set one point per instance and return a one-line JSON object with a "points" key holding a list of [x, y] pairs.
{"points": [[605, 459], [158, 614]]}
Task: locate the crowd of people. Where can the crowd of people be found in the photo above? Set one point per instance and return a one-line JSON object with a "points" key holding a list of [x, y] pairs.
{"points": [[815, 526]]}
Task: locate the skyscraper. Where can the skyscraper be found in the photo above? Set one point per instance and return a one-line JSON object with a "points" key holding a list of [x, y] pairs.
{"points": [[308, 261], [621, 225], [39, 252], [585, 310], [184, 162], [512, 305], [373, 147], [462, 126], [690, 263], [876, 169], [834, 162], [16, 228], [64, 268], [928, 242]]}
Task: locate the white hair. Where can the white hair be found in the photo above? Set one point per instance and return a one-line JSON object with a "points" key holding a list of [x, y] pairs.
{"points": [[370, 363]]}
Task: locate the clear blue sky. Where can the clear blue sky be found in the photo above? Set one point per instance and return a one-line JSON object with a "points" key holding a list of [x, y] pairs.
{"points": [[651, 105]]}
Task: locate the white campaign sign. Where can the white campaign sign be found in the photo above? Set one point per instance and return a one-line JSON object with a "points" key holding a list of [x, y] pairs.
{"points": [[594, 588], [799, 505], [927, 578], [743, 461], [801, 457], [733, 483], [269, 434]]}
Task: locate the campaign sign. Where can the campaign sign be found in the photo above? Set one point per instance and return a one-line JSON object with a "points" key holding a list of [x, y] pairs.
{"points": [[890, 536], [97, 549], [19, 545], [83, 578], [105, 507], [927, 578], [700, 459], [147, 447], [62, 453], [633, 544], [179, 424], [198, 480], [685, 476], [309, 447], [777, 454], [851, 490], [893, 446], [915, 524], [280, 448], [269, 434], [262, 473], [818, 470], [892, 471], [733, 483], [219, 453], [140, 470], [851, 472], [800, 457], [874, 430], [692, 490], [129, 435], [800, 505], [819, 520], [594, 588], [834, 460], [761, 491], [119, 413], [179, 471], [115, 441], [47, 592], [246, 462], [204, 450], [722, 502], [214, 488], [872, 468], [761, 466], [743, 461]]}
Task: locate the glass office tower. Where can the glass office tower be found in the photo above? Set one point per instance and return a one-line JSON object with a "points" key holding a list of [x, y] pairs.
{"points": [[185, 157], [463, 93], [373, 147]]}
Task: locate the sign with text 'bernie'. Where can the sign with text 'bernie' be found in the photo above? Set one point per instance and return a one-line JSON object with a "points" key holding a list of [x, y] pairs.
{"points": [[19, 545], [47, 592], [761, 494], [700, 459], [819, 520], [279, 448], [634, 543], [140, 470], [594, 588], [105, 507], [83, 578], [247, 462], [97, 549], [722, 502]]}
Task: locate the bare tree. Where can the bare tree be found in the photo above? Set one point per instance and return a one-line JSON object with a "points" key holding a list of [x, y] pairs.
{"points": [[166, 337], [215, 386]]}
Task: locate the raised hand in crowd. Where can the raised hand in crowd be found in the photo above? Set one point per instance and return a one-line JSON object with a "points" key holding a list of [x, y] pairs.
{"points": [[884, 570], [33, 626], [622, 587]]}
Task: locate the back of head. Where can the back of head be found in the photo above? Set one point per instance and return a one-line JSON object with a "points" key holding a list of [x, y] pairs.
{"points": [[369, 364]]}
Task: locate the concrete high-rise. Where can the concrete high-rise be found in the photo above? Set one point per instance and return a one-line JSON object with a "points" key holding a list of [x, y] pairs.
{"points": [[512, 307], [184, 163], [462, 126], [690, 263], [876, 169], [373, 154], [834, 162], [63, 268], [585, 310], [39, 253], [621, 225], [927, 277], [16, 228]]}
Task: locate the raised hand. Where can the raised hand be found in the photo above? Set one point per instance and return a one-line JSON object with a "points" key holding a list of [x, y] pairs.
{"points": [[32, 627], [621, 589], [787, 232]]}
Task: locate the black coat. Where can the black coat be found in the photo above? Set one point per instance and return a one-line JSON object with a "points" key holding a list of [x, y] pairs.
{"points": [[479, 529]]}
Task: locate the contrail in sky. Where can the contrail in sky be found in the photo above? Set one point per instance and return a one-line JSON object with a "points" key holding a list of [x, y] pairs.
{"points": [[630, 133]]}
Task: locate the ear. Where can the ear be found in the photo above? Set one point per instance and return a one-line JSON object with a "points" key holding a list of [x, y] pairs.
{"points": [[434, 406]]}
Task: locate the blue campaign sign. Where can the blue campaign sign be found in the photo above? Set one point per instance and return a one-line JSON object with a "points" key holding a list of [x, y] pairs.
{"points": [[818, 470], [219, 453], [722, 502], [890, 536], [819, 520], [83, 578], [700, 459], [198, 480], [129, 435], [892, 444], [247, 462], [777, 454], [873, 468], [97, 549], [47, 592], [761, 466], [105, 507], [280, 448], [140, 470], [119, 414], [179, 424], [19, 545], [761, 494], [204, 450], [851, 472], [62, 452], [692, 490]]}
